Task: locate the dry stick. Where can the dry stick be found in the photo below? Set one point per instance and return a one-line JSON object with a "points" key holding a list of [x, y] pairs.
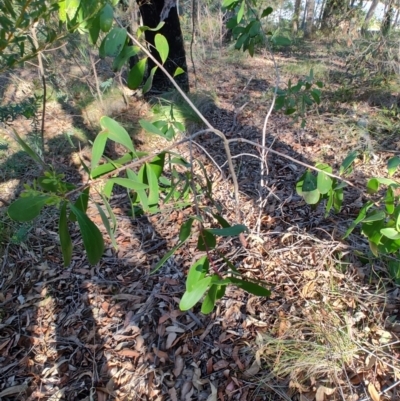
{"points": [[99, 94], [205, 121], [41, 74]]}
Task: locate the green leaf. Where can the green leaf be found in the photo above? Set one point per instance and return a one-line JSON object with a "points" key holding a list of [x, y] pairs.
{"points": [[392, 165], [241, 12], [252, 288], [157, 164], [128, 183], [197, 272], [162, 47], [324, 182], [149, 81], [149, 127], [310, 182], [347, 162], [372, 186], [389, 200], [391, 233], [81, 203], [136, 74], [114, 42], [372, 230], [178, 71], [337, 199], [375, 216], [206, 241], [189, 299], [65, 238], [106, 222], [153, 186], [94, 30], [221, 220], [361, 216], [126, 53], [145, 28], [27, 208], [229, 3], [28, 149], [267, 11], [116, 132], [228, 231], [210, 298], [99, 145], [185, 230], [91, 235], [106, 17]]}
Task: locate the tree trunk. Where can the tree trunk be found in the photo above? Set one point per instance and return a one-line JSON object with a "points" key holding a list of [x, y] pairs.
{"points": [[387, 19], [369, 16], [296, 17], [153, 12], [335, 11], [309, 27]]}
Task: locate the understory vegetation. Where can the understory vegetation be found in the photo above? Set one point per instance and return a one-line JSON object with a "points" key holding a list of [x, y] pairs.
{"points": [[239, 240]]}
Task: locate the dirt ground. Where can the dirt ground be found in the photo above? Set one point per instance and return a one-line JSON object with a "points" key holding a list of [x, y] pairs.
{"points": [[329, 331]]}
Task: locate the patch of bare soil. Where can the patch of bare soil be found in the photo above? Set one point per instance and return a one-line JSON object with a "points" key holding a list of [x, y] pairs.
{"points": [[330, 330]]}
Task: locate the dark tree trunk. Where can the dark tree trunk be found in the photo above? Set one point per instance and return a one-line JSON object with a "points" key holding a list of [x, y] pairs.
{"points": [[151, 11], [387, 19]]}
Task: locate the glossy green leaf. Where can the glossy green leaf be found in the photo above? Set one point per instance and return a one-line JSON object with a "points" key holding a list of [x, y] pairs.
{"points": [[162, 46], [197, 272], [324, 182], [28, 149], [116, 132], [185, 230], [347, 162], [152, 182], [252, 288], [392, 164], [206, 241], [209, 300], [391, 233], [27, 208], [114, 42], [149, 127], [99, 145], [375, 216], [126, 53], [190, 298], [106, 222], [241, 11], [136, 74], [178, 71], [91, 235], [337, 199], [94, 30], [228, 231], [221, 220], [372, 230], [106, 17], [65, 238], [389, 200], [127, 183], [81, 203], [149, 81], [372, 186], [145, 28], [361, 216], [141, 193]]}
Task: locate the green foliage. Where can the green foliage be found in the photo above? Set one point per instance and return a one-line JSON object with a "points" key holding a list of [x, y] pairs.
{"points": [[296, 99]]}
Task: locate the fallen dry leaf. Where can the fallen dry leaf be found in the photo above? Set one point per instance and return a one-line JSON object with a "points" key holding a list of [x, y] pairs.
{"points": [[214, 393], [373, 392], [222, 364], [178, 366], [322, 391], [252, 370]]}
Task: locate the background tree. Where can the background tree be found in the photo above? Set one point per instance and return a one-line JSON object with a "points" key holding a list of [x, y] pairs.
{"points": [[296, 17], [153, 12], [335, 11], [369, 16], [308, 29]]}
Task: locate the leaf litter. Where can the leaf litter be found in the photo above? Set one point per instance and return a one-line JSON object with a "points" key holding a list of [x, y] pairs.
{"points": [[329, 331]]}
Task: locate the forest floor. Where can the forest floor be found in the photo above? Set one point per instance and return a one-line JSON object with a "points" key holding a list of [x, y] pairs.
{"points": [[329, 331]]}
